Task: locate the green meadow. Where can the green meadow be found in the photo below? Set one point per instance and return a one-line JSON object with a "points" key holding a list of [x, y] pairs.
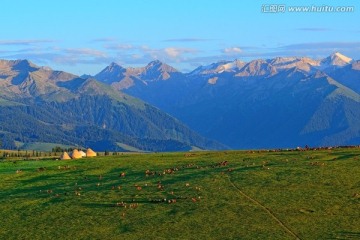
{"points": [[200, 195]]}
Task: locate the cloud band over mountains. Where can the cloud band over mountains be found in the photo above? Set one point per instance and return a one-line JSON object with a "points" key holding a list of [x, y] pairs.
{"points": [[105, 50]]}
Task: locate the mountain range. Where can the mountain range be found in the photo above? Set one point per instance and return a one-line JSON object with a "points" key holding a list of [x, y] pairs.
{"points": [[264, 103], [40, 105]]}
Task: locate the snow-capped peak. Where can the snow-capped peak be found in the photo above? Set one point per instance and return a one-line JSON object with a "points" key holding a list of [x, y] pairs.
{"points": [[336, 59], [342, 57], [219, 67], [231, 66]]}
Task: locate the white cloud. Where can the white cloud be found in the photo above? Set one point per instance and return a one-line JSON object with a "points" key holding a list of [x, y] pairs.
{"points": [[85, 52], [25, 42], [119, 47], [172, 52], [232, 50], [177, 52], [136, 56]]}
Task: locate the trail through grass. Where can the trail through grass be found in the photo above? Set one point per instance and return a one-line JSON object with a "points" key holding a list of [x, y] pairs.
{"points": [[202, 195]]}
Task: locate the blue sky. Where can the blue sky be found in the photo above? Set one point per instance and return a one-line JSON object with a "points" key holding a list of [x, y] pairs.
{"points": [[85, 36]]}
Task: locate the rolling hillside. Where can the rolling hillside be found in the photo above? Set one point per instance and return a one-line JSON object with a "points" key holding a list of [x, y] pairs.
{"points": [[264, 103], [38, 104]]}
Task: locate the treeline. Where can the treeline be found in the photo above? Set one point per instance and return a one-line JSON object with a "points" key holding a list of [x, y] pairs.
{"points": [[88, 120], [26, 154], [58, 149]]}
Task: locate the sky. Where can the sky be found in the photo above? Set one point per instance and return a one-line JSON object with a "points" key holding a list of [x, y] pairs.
{"points": [[83, 37]]}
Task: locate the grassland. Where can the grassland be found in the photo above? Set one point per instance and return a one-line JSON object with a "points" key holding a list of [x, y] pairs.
{"points": [[219, 195]]}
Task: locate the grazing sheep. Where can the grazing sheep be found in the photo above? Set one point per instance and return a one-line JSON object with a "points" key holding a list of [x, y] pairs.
{"points": [[120, 204], [134, 205], [171, 201], [317, 164]]}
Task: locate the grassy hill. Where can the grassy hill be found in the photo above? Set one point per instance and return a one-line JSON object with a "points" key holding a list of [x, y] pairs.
{"points": [[265, 103], [40, 105], [219, 195]]}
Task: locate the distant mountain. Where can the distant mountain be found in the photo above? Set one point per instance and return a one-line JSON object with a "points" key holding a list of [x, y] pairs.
{"points": [[348, 75], [156, 71], [264, 103], [112, 73], [336, 59], [38, 104], [219, 67], [124, 78]]}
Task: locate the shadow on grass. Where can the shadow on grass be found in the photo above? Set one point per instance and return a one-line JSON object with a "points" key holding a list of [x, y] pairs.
{"points": [[346, 235], [342, 157]]}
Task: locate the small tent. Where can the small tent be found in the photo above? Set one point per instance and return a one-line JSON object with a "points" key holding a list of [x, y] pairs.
{"points": [[90, 153], [65, 156], [75, 154], [82, 153]]}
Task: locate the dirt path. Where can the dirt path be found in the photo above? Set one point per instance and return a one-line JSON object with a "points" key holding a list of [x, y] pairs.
{"points": [[288, 230]]}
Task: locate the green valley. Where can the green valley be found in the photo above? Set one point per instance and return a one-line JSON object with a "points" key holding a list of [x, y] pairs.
{"points": [[208, 195]]}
